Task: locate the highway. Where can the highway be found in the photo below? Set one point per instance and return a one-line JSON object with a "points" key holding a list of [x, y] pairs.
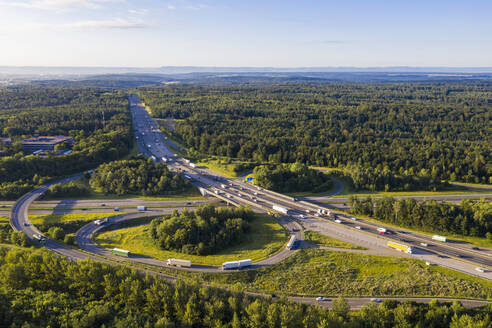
{"points": [[153, 143], [85, 234]]}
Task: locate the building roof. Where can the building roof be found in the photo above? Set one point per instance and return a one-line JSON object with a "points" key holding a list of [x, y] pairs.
{"points": [[46, 140]]}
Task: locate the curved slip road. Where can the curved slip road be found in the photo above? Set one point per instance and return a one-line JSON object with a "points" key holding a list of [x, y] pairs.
{"points": [[84, 240]]}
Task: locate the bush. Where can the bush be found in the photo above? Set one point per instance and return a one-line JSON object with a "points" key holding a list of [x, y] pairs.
{"points": [[202, 232], [69, 240], [56, 233]]}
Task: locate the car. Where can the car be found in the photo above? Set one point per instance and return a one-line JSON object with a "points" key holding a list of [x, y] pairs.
{"points": [[322, 299], [475, 248], [103, 204], [188, 203], [116, 209], [480, 269], [358, 227], [424, 244], [354, 218], [83, 209], [376, 300], [26, 224]]}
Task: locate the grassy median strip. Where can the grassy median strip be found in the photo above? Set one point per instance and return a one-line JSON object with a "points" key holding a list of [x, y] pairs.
{"points": [[59, 218], [265, 238], [316, 238]]}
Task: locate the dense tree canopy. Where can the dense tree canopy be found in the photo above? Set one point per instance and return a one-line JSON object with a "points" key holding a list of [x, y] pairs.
{"points": [[39, 289], [440, 129], [291, 177], [137, 176], [204, 231], [468, 219], [99, 122]]}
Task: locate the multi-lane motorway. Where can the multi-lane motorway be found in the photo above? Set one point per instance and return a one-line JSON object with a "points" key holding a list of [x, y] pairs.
{"points": [[152, 142]]}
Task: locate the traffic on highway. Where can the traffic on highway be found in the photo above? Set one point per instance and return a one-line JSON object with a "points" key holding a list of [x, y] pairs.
{"points": [[236, 192]]}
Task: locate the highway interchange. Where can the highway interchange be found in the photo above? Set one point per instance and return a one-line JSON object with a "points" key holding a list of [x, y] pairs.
{"points": [[152, 142]]}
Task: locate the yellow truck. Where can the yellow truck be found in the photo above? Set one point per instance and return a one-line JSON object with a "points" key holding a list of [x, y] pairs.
{"points": [[400, 247]]}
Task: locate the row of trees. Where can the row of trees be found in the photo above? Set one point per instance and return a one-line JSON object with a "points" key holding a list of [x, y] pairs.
{"points": [[99, 122], [291, 178], [201, 232], [39, 289], [468, 219], [137, 176], [439, 128]]}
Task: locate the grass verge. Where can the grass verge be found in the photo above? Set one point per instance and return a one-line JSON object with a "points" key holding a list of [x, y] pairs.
{"points": [[265, 238], [61, 218], [321, 240], [317, 272]]}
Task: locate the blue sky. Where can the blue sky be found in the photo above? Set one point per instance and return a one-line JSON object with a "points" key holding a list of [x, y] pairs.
{"points": [[151, 33]]}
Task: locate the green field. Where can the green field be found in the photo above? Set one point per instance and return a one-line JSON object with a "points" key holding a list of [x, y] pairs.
{"points": [[265, 238], [319, 272], [4, 219], [321, 240], [60, 218], [224, 167]]}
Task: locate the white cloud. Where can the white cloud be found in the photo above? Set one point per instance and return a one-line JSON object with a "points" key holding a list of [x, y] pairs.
{"points": [[116, 23], [138, 12], [56, 4], [197, 7], [171, 7]]}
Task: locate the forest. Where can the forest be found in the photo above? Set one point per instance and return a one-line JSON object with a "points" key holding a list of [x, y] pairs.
{"points": [[468, 218], [291, 177], [204, 231], [40, 289], [137, 176], [437, 131], [99, 122]]}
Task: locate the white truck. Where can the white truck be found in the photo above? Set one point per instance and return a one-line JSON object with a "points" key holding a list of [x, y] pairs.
{"points": [[292, 242], [338, 221], [280, 209], [439, 238], [193, 165], [164, 160], [236, 264], [223, 186], [179, 263], [230, 265], [141, 208]]}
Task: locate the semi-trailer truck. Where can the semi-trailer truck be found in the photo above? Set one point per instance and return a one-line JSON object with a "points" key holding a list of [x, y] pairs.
{"points": [[120, 252], [292, 242], [400, 247], [179, 263], [280, 209], [236, 264], [141, 208], [439, 238]]}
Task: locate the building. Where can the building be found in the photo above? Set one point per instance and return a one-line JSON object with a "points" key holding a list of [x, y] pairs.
{"points": [[44, 143]]}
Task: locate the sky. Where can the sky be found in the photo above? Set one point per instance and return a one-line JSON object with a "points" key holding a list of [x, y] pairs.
{"points": [[254, 33]]}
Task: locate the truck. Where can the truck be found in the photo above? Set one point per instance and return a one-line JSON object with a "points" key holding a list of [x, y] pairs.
{"points": [[324, 211], [230, 265], [179, 263], [187, 161], [120, 252], [292, 242], [193, 165], [164, 160], [101, 221], [223, 186], [280, 209], [141, 208], [338, 221], [439, 238], [153, 158], [245, 263], [400, 247], [382, 231]]}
